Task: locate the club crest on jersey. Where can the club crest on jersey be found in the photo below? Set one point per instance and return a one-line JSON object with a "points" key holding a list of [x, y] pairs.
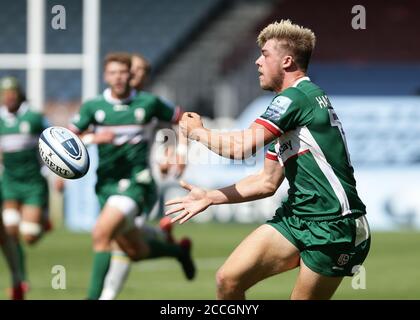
{"points": [[123, 185], [277, 108], [24, 127], [100, 116], [139, 114]]}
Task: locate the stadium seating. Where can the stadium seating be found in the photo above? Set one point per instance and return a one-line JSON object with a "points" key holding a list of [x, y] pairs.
{"points": [[345, 61], [13, 23], [194, 74], [154, 28]]}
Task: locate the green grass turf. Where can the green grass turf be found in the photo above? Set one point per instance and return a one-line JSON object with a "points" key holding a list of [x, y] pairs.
{"points": [[392, 268]]}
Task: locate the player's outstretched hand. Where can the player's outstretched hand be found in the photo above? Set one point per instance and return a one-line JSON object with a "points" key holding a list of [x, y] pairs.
{"points": [[190, 124], [192, 204]]}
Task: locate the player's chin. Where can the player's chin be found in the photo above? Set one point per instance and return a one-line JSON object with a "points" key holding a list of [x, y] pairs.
{"points": [[265, 86]]}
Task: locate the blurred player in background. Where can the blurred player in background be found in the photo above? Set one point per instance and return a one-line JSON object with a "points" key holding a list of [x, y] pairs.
{"points": [[321, 228], [11, 254], [173, 162], [121, 118], [120, 263], [24, 187]]}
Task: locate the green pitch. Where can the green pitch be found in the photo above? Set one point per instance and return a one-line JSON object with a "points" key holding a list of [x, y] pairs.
{"points": [[392, 268]]}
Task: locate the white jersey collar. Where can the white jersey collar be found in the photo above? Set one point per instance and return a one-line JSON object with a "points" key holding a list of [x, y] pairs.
{"points": [[300, 80], [110, 99], [23, 108]]}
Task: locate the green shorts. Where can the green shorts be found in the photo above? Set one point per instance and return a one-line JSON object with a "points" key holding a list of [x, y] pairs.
{"points": [[144, 195], [333, 248], [30, 192]]}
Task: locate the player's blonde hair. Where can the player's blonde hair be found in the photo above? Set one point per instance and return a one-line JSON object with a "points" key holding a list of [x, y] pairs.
{"points": [[299, 41]]}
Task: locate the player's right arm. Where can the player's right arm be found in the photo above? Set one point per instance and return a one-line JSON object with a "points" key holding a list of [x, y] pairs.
{"points": [[286, 112], [258, 186], [234, 144]]}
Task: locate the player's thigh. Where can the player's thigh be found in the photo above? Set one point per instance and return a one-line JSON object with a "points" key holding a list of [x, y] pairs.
{"points": [[32, 213], [117, 216], [110, 221], [133, 244], [11, 204], [314, 286], [263, 253]]}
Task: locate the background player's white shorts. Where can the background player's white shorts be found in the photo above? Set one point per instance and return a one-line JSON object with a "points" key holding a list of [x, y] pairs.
{"points": [[128, 207]]}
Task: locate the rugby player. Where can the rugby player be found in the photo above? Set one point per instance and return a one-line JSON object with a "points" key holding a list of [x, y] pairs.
{"points": [[121, 118], [321, 227], [120, 263], [24, 186]]}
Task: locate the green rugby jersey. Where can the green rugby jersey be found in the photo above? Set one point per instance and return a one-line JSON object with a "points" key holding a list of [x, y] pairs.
{"points": [[132, 122], [19, 135], [312, 148]]}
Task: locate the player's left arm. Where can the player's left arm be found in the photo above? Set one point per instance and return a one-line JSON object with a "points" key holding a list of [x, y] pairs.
{"points": [[258, 186]]}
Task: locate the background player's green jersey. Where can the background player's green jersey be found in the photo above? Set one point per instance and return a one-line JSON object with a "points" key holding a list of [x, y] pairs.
{"points": [[19, 135], [132, 123], [22, 179], [312, 148]]}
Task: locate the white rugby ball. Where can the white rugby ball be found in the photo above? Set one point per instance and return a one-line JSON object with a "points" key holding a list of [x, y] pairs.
{"points": [[63, 152]]}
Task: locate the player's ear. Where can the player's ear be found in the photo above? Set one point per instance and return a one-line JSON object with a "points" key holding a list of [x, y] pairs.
{"points": [[287, 61]]}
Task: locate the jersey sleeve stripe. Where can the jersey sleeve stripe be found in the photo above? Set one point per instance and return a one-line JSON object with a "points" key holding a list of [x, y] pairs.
{"points": [[270, 126], [297, 155], [271, 156]]}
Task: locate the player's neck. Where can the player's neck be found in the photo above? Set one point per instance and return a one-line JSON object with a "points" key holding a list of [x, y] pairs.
{"points": [[122, 96], [291, 78], [13, 109]]}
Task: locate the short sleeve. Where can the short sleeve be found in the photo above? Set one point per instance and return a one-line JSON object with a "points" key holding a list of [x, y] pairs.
{"points": [[166, 111], [83, 119], [286, 112], [271, 152]]}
